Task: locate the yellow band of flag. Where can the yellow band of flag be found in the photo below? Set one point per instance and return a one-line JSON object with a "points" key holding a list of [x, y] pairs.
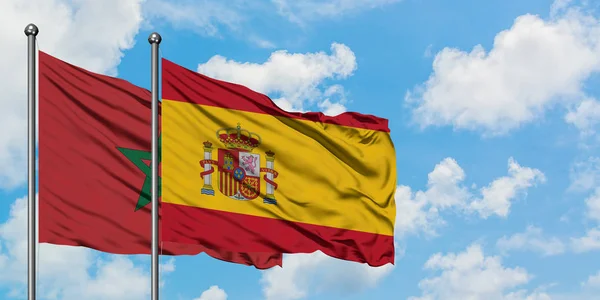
{"points": [[325, 174]]}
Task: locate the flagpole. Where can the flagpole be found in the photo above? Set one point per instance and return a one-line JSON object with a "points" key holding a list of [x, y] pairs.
{"points": [[154, 39], [31, 31]]}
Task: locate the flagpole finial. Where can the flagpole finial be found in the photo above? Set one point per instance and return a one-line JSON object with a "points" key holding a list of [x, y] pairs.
{"points": [[154, 38], [31, 29]]}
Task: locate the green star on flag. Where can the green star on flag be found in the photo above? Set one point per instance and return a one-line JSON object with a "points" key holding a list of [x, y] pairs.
{"points": [[137, 157]]}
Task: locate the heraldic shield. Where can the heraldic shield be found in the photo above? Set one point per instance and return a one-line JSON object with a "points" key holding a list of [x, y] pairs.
{"points": [[238, 169], [239, 174]]}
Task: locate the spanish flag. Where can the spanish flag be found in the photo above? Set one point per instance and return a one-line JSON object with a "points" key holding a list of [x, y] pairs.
{"points": [[240, 173]]}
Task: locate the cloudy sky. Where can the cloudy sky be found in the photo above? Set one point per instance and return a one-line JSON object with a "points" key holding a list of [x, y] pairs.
{"points": [[494, 112]]}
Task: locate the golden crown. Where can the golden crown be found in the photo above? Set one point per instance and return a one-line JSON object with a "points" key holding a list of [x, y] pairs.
{"points": [[238, 138]]}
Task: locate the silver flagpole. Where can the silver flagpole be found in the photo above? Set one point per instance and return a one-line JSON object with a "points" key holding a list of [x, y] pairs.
{"points": [[154, 41], [31, 32]]}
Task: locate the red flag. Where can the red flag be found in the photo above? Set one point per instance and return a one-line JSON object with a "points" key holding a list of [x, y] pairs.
{"points": [[94, 166]]}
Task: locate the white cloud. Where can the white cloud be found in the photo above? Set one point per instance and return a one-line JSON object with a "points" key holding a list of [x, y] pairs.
{"points": [[261, 42], [91, 34], [306, 273], [306, 10], [593, 281], [213, 17], [84, 273], [559, 6], [589, 242], [213, 293], [472, 275], [296, 79], [532, 66], [167, 267], [428, 51], [532, 239], [496, 197], [420, 211], [202, 16], [585, 175], [118, 278], [593, 205], [331, 109], [586, 116]]}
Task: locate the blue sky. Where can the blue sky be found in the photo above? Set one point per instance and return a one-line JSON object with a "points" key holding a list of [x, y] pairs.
{"points": [[493, 107]]}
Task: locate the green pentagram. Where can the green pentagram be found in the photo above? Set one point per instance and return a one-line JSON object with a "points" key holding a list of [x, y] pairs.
{"points": [[137, 157]]}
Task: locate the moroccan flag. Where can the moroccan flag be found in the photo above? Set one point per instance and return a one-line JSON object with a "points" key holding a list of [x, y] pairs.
{"points": [[242, 174], [94, 166]]}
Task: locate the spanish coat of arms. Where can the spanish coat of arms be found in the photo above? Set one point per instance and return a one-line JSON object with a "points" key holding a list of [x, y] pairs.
{"points": [[239, 169]]}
